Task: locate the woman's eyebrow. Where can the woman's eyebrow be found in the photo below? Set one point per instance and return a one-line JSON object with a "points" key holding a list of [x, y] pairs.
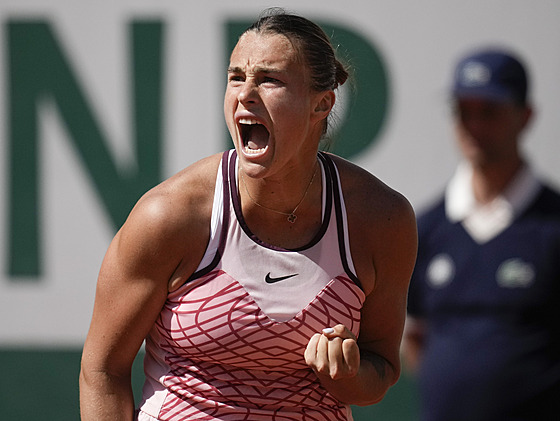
{"points": [[262, 69]]}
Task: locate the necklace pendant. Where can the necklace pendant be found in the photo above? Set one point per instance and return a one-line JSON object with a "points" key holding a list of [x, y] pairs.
{"points": [[292, 218]]}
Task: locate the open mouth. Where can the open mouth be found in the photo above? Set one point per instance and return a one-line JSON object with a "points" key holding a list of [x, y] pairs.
{"points": [[254, 135]]}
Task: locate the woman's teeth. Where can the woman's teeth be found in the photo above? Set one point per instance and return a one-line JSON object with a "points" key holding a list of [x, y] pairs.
{"points": [[249, 121], [254, 151]]}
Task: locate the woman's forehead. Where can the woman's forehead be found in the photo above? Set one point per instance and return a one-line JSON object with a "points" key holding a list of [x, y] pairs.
{"points": [[263, 49]]}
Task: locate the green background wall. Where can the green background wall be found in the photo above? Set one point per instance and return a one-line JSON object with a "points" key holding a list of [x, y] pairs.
{"points": [[43, 385]]}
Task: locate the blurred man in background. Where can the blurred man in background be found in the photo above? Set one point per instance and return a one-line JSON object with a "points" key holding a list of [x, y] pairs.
{"points": [[483, 330]]}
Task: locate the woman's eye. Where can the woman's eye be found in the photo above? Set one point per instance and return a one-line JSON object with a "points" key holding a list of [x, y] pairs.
{"points": [[271, 80]]}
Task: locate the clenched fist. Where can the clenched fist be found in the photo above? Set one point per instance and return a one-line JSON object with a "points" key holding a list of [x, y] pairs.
{"points": [[333, 353]]}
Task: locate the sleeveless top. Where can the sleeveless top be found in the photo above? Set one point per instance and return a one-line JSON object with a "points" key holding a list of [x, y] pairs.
{"points": [[229, 344]]}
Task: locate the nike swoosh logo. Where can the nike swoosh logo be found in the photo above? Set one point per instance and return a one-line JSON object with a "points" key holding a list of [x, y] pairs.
{"points": [[270, 280]]}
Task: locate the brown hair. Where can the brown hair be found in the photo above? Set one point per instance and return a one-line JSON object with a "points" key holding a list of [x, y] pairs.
{"points": [[327, 72]]}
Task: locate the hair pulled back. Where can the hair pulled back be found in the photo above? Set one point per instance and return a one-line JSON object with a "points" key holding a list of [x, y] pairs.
{"points": [[327, 72]]}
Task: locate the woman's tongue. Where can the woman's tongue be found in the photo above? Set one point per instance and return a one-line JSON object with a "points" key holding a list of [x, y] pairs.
{"points": [[257, 137]]}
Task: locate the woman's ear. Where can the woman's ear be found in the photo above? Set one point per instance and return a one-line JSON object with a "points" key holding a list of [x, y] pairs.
{"points": [[324, 104]]}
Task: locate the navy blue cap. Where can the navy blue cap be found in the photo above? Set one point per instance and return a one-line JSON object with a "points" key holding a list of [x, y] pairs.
{"points": [[491, 74]]}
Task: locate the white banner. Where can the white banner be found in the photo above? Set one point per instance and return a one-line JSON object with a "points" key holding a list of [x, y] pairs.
{"points": [[95, 41]]}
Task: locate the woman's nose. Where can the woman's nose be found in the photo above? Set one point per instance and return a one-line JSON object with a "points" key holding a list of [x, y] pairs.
{"points": [[248, 92]]}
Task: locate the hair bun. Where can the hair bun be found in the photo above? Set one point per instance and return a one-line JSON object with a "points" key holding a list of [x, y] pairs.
{"points": [[341, 74]]}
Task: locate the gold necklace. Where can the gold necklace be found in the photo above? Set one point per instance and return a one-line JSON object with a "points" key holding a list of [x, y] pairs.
{"points": [[291, 215]]}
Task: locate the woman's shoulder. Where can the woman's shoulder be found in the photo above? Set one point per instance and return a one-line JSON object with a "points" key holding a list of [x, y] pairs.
{"points": [[369, 195], [181, 201], [191, 183], [381, 224]]}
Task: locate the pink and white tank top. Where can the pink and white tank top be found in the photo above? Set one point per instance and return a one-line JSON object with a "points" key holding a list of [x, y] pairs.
{"points": [[229, 343]]}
